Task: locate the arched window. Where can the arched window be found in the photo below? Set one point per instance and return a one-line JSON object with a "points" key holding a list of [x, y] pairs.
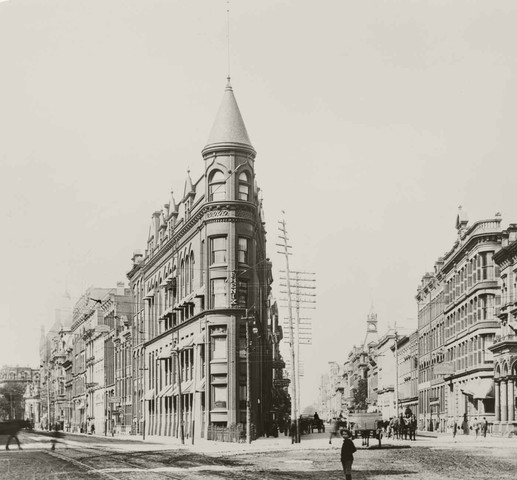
{"points": [[187, 275], [217, 186], [192, 270], [244, 186], [182, 278]]}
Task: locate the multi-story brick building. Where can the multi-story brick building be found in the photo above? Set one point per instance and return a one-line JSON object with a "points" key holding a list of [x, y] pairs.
{"points": [[386, 375], [407, 358], [431, 386], [457, 326], [471, 293], [201, 297], [98, 318]]}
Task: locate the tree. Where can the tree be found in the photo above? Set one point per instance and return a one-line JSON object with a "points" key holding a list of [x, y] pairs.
{"points": [[360, 395], [12, 403]]}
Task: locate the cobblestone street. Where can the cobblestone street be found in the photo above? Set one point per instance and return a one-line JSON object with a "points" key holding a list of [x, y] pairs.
{"points": [[81, 457]]}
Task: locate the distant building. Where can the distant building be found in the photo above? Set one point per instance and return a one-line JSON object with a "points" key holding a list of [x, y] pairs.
{"points": [[27, 405], [386, 375], [407, 357], [432, 408]]}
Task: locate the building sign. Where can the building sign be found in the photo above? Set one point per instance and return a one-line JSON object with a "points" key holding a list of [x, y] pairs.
{"points": [[233, 289]]}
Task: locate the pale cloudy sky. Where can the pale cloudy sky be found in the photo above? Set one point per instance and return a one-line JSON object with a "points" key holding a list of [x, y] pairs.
{"points": [[372, 121]]}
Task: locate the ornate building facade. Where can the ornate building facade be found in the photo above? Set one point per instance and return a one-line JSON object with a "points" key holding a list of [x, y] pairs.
{"points": [[457, 327], [201, 328]]}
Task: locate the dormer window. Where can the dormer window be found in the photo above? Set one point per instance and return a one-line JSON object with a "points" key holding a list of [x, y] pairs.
{"points": [[217, 187], [244, 186]]}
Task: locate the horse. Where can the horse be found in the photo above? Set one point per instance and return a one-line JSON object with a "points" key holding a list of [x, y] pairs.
{"points": [[11, 429]]}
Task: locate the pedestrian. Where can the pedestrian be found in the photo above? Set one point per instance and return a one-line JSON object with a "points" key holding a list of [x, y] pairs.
{"points": [[412, 427], [11, 429], [293, 431], [347, 453], [56, 435], [317, 421], [334, 429], [477, 427], [484, 427], [454, 428]]}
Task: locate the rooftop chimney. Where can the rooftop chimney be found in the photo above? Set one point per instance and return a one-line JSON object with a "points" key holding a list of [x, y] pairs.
{"points": [[137, 257]]}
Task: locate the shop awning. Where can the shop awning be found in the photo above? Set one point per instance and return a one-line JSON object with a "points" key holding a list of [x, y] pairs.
{"points": [[149, 395], [200, 338], [185, 343], [165, 354], [483, 388], [200, 386], [186, 387], [479, 389], [163, 392]]}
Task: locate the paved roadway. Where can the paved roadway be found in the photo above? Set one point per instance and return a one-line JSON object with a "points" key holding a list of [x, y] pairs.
{"points": [[84, 457]]}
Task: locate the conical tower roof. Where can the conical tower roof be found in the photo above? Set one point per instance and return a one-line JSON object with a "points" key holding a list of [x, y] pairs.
{"points": [[228, 129]]}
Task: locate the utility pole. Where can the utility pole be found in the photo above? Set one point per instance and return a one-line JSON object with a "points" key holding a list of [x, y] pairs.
{"points": [[292, 350], [48, 397], [302, 286]]}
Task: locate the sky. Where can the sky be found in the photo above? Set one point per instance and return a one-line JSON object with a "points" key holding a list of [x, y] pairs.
{"points": [[373, 121]]}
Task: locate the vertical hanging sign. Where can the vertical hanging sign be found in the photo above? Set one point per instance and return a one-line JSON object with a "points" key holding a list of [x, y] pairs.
{"points": [[233, 289]]}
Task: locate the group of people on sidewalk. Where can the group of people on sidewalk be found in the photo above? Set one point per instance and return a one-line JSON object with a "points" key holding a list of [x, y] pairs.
{"points": [[479, 427]]}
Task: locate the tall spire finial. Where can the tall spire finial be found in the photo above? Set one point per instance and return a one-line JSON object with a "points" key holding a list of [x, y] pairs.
{"points": [[228, 36]]}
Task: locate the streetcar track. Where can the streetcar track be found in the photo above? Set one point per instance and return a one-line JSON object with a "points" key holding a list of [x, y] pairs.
{"points": [[244, 472], [112, 456]]}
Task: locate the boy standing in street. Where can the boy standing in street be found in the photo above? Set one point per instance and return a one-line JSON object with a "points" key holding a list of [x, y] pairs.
{"points": [[347, 454]]}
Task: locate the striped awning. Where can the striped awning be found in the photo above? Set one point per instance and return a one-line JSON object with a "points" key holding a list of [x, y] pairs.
{"points": [[164, 391], [200, 386], [186, 387]]}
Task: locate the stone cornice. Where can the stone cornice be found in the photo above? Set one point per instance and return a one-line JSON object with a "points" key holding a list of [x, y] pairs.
{"points": [[243, 212], [461, 251], [506, 254], [194, 319]]}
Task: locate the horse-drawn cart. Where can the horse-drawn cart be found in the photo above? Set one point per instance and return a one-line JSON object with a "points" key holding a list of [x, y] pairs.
{"points": [[366, 425]]}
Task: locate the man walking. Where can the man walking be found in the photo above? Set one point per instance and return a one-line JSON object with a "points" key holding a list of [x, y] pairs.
{"points": [[334, 429], [484, 427]]}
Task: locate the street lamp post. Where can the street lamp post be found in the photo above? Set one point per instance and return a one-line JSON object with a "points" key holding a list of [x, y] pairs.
{"points": [[143, 369], [248, 378]]}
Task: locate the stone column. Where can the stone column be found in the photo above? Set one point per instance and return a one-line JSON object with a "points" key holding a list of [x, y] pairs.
{"points": [[504, 401], [497, 390], [511, 400]]}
